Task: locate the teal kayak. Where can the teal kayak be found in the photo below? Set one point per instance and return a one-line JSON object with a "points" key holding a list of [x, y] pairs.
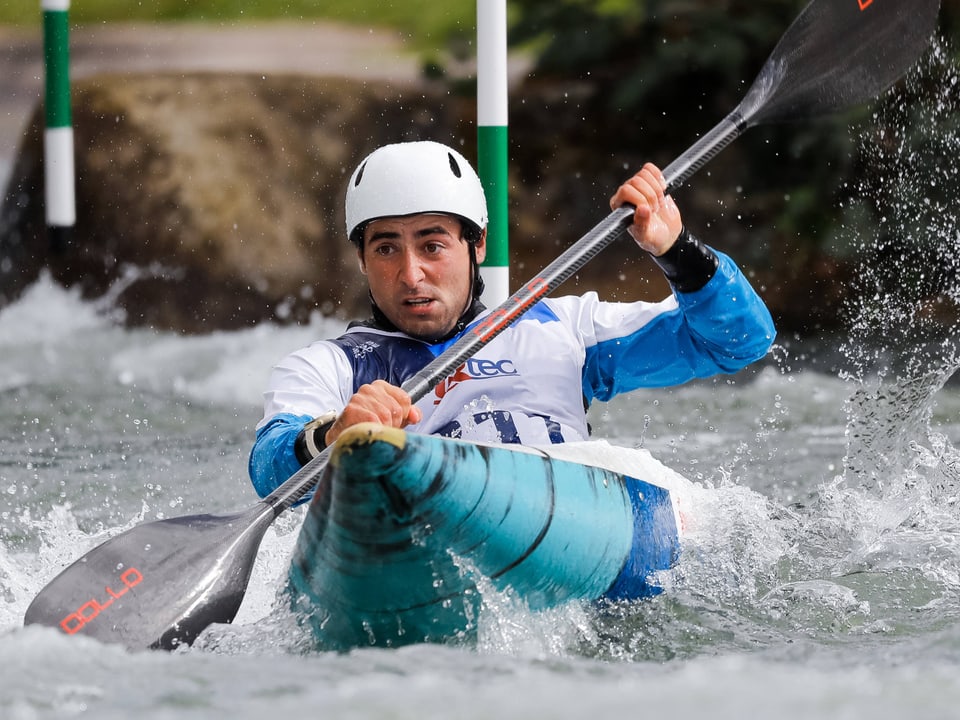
{"points": [[403, 527]]}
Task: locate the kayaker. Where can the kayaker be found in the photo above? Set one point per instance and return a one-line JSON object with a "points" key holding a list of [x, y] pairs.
{"points": [[417, 215]]}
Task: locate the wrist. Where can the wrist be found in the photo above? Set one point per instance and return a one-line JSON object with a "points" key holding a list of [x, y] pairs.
{"points": [[688, 264], [312, 439]]}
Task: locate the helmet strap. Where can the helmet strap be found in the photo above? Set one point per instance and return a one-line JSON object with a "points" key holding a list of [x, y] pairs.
{"points": [[477, 284]]}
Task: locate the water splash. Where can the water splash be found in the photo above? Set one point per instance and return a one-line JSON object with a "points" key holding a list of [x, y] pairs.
{"points": [[905, 228], [886, 532]]}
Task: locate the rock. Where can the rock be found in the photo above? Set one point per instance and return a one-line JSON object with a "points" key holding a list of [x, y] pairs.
{"points": [[213, 201]]}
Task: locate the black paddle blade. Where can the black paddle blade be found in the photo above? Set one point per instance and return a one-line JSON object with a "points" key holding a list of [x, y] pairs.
{"points": [[837, 54], [157, 585]]}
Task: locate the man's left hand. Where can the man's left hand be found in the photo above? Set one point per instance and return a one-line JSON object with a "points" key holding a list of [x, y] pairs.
{"points": [[656, 222]]}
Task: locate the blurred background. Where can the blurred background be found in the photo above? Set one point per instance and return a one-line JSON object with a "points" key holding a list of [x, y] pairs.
{"points": [[597, 88]]}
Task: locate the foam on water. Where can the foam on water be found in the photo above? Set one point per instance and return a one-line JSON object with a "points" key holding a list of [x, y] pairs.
{"points": [[51, 330], [60, 351]]}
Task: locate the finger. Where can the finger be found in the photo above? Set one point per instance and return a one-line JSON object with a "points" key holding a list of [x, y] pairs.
{"points": [[401, 401], [409, 414], [414, 416], [657, 175], [644, 191], [649, 182], [388, 404]]}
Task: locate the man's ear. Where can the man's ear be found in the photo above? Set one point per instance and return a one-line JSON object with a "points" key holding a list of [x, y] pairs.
{"points": [[363, 266], [480, 248]]}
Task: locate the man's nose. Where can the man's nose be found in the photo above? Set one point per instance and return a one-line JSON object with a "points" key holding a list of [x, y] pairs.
{"points": [[411, 269]]}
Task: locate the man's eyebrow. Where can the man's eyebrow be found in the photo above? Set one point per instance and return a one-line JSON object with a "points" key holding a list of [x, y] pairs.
{"points": [[383, 235], [433, 230], [422, 232]]}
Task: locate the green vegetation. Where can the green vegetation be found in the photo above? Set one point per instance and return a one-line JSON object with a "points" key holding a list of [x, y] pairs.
{"points": [[660, 72], [426, 22]]}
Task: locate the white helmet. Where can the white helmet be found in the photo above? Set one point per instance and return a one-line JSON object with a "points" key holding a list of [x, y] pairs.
{"points": [[410, 178]]}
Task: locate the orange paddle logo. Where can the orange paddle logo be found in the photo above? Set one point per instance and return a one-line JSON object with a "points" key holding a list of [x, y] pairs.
{"points": [[864, 4], [74, 622]]}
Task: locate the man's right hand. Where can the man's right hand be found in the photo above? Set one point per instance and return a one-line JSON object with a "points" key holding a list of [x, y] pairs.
{"points": [[378, 402]]}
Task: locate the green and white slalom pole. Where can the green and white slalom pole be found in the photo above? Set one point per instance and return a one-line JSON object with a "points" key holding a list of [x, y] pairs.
{"points": [[59, 189], [492, 144]]}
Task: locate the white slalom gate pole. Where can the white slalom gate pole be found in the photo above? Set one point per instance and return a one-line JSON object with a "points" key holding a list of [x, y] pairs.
{"points": [[59, 187], [492, 144]]}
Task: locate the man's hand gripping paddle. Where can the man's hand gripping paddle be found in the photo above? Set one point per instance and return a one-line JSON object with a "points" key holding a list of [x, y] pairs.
{"points": [[161, 583]]}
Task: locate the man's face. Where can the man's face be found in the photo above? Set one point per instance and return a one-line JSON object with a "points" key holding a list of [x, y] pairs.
{"points": [[418, 269]]}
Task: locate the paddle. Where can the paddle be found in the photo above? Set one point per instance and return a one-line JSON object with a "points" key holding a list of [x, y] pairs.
{"points": [[161, 583]]}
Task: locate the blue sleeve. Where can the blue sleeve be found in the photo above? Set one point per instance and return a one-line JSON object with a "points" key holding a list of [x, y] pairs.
{"points": [[721, 328], [272, 458]]}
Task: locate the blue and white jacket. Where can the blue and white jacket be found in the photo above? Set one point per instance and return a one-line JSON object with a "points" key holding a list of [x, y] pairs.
{"points": [[533, 382]]}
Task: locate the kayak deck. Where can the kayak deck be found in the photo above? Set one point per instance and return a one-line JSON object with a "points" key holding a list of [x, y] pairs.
{"points": [[402, 525]]}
